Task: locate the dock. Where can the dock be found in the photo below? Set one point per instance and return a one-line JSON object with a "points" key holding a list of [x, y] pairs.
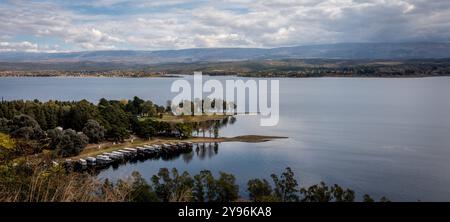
{"points": [[139, 153]]}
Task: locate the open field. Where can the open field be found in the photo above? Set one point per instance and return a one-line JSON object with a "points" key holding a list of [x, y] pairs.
{"points": [[188, 119]]}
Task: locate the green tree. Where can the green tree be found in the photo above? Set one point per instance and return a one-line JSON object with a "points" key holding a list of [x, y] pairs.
{"points": [[79, 114], [227, 188], [135, 106], [185, 129], [24, 126], [205, 188], [162, 184], [140, 190], [118, 133], [71, 143], [4, 125], [323, 193], [146, 129], [94, 131], [149, 109], [55, 136], [176, 188], [115, 120], [286, 186], [259, 190]]}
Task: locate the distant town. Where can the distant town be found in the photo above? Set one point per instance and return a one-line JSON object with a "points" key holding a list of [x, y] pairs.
{"points": [[302, 68]]}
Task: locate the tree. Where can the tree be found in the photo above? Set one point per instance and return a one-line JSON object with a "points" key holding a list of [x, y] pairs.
{"points": [[24, 126], [182, 190], [367, 198], [140, 190], [323, 193], [198, 190], [176, 188], [94, 131], [149, 109], [115, 120], [79, 114], [4, 125], [227, 188], [205, 189], [118, 133], [55, 136], [168, 107], [342, 195], [71, 143], [259, 190], [135, 106], [145, 128], [185, 129], [23, 120], [162, 184], [286, 186]]}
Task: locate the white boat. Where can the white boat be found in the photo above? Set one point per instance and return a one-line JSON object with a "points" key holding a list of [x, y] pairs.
{"points": [[82, 162]]}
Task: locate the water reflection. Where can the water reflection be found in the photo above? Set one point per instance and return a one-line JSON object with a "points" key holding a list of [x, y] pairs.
{"points": [[211, 128], [206, 150]]}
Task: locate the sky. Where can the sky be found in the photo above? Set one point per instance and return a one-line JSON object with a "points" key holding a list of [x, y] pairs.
{"points": [[62, 26]]}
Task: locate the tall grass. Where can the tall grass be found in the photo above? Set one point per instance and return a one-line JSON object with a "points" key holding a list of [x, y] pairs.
{"points": [[37, 183]]}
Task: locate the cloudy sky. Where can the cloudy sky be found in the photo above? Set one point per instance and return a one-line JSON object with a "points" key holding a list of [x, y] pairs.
{"points": [[58, 25]]}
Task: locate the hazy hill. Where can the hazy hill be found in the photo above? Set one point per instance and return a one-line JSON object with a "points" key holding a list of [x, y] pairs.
{"points": [[329, 51]]}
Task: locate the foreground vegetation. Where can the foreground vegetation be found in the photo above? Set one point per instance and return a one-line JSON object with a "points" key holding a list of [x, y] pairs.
{"points": [[25, 181]]}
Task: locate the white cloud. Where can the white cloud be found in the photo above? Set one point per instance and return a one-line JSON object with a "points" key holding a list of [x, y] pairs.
{"points": [[18, 46], [224, 23]]}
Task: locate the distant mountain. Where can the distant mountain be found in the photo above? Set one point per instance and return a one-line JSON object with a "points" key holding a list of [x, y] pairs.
{"points": [[328, 51]]}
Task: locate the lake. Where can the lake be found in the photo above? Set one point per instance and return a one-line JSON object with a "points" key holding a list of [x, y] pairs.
{"points": [[378, 136]]}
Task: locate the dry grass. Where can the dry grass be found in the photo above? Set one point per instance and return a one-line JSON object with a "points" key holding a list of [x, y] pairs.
{"points": [[52, 184]]}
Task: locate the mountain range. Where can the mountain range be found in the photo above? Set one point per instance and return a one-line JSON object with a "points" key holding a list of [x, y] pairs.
{"points": [[413, 50]]}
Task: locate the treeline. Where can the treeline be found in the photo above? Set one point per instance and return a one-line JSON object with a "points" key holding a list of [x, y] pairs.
{"points": [[97, 73], [401, 70], [51, 114], [67, 127], [22, 181], [343, 68], [304, 68]]}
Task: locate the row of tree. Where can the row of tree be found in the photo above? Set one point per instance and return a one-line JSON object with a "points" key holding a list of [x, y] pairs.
{"points": [[74, 115], [31, 179], [204, 187]]}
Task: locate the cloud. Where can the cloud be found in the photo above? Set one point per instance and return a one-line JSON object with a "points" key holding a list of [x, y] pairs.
{"points": [[174, 24], [18, 46]]}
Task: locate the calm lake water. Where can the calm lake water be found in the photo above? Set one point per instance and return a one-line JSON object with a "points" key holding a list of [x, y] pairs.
{"points": [[386, 137]]}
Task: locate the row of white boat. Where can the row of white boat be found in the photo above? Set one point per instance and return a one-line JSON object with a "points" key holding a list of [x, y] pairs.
{"points": [[124, 154]]}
